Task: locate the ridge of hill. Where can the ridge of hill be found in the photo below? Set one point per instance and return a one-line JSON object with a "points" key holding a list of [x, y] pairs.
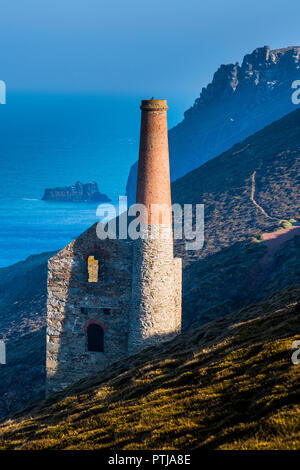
{"points": [[23, 295], [265, 167]]}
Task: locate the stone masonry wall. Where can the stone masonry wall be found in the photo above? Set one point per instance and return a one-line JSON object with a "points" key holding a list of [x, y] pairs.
{"points": [[156, 295], [73, 303]]}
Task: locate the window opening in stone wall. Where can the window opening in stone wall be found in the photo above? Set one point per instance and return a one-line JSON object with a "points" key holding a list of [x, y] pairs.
{"points": [[93, 269]]}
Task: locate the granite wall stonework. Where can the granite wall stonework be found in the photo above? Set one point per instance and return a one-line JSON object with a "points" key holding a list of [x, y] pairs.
{"points": [[156, 290], [73, 302]]}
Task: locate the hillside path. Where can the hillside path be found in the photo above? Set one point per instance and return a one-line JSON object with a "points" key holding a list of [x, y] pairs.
{"points": [[252, 197]]}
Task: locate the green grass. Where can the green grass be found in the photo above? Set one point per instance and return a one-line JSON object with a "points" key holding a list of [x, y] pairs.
{"points": [[229, 384]]}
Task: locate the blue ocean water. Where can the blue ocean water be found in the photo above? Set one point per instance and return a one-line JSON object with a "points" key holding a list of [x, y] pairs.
{"points": [[49, 140]]}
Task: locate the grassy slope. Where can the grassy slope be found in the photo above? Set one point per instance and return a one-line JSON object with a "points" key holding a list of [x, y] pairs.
{"points": [[234, 278], [22, 378], [229, 385], [224, 186], [22, 326], [23, 288]]}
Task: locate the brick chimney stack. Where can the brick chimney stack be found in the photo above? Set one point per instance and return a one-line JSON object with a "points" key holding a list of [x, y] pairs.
{"points": [[156, 278], [153, 185]]}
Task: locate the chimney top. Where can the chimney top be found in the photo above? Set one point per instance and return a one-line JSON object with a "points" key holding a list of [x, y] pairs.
{"points": [[154, 105], [153, 185]]}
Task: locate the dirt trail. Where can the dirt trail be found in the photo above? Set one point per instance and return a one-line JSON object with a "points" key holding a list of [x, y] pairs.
{"points": [[253, 198]]}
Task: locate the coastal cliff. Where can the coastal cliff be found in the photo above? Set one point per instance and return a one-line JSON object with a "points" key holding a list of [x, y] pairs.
{"points": [[88, 192]]}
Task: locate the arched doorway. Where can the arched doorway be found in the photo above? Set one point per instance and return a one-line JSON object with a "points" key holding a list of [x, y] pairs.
{"points": [[95, 338]]}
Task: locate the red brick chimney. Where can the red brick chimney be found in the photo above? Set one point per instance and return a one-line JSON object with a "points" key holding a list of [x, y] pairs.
{"points": [[153, 186], [155, 313]]}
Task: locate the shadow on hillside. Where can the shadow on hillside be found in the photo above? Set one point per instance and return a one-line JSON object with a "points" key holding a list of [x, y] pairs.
{"points": [[236, 277]]}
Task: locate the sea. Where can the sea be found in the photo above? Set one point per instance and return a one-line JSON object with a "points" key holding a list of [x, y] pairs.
{"points": [[56, 139]]}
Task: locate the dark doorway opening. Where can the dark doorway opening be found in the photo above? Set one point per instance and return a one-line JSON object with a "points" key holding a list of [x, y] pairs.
{"points": [[95, 338]]}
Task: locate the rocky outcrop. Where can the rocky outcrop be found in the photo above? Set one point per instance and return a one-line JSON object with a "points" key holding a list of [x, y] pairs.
{"points": [[79, 193], [240, 100]]}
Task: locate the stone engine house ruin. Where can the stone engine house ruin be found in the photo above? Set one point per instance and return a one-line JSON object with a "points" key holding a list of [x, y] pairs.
{"points": [[108, 299]]}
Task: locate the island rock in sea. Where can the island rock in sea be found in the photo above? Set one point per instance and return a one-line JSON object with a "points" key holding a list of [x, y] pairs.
{"points": [[79, 193]]}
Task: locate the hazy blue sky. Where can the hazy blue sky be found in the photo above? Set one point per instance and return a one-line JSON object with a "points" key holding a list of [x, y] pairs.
{"points": [[142, 47]]}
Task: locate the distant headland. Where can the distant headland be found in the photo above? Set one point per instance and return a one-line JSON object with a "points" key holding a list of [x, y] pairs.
{"points": [[88, 192]]}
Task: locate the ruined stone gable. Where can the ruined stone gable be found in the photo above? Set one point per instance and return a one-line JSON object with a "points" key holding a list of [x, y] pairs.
{"points": [[74, 303]]}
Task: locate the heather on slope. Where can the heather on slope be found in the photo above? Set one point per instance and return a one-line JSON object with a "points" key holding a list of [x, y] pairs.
{"points": [[229, 384], [271, 158]]}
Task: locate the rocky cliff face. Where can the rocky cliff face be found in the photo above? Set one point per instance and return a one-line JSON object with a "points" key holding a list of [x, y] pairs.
{"points": [[240, 100], [88, 192]]}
